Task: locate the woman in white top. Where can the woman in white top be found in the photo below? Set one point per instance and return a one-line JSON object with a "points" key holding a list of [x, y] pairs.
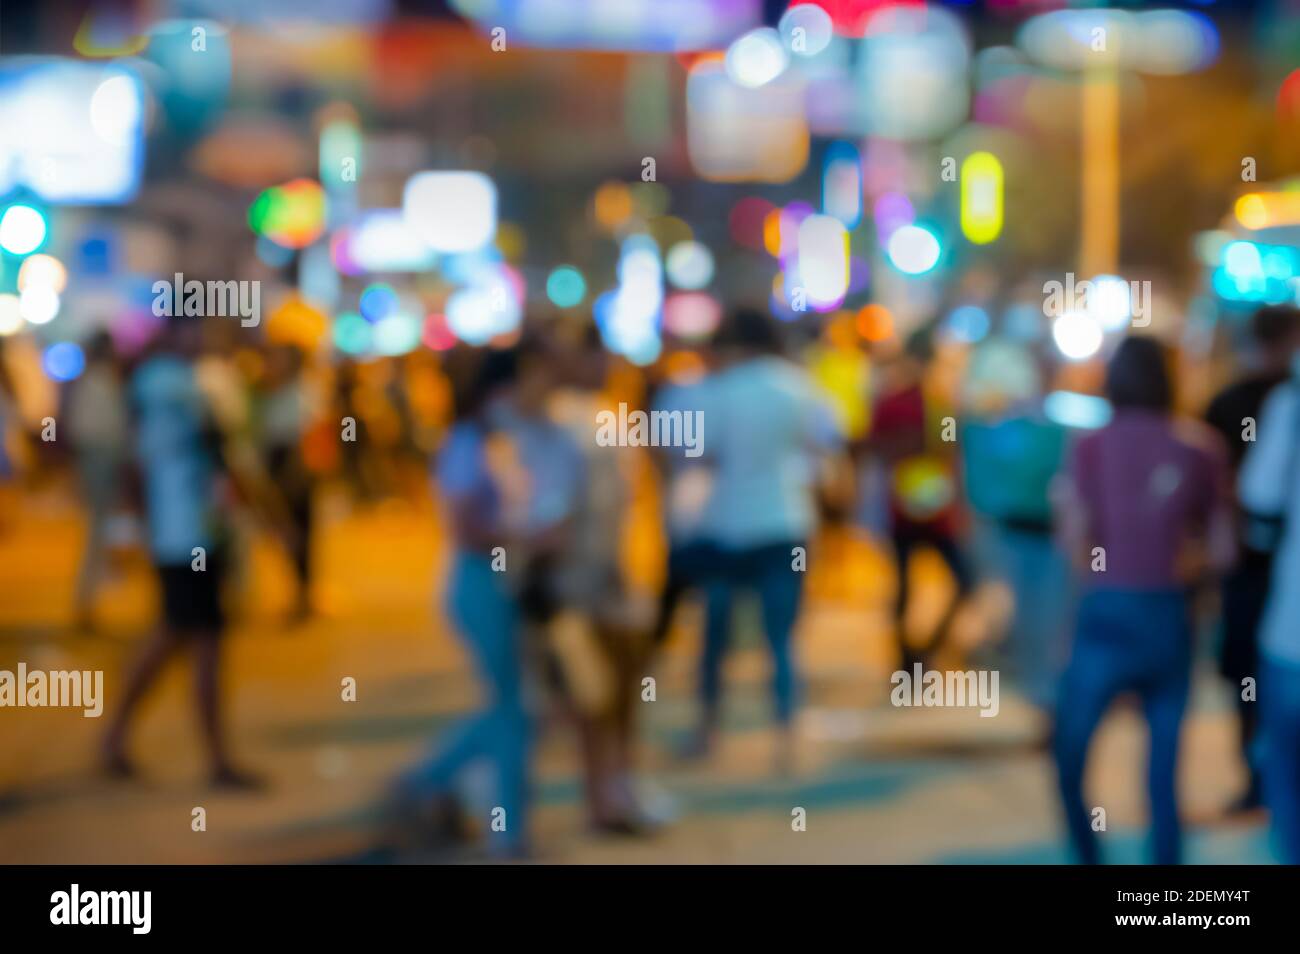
{"points": [[1270, 485]]}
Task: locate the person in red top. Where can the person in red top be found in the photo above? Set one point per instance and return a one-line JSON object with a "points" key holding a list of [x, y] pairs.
{"points": [[922, 488]]}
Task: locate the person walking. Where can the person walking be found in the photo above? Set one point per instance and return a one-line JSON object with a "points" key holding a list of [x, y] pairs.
{"points": [[1143, 511], [1235, 413], [765, 429], [1269, 485], [185, 485]]}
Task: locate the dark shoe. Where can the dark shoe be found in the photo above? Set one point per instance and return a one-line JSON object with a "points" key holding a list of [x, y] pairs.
{"points": [[117, 765], [910, 658], [231, 779], [619, 827], [1250, 801], [415, 823]]}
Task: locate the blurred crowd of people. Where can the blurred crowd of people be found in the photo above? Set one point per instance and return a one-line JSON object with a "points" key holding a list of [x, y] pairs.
{"points": [[1118, 542]]}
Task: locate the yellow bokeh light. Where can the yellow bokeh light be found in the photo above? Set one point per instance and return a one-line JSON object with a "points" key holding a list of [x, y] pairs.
{"points": [[1261, 210], [981, 197]]}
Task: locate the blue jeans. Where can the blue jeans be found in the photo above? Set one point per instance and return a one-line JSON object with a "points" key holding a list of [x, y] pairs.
{"points": [[487, 619], [1279, 701], [767, 570], [1039, 577], [1126, 641]]}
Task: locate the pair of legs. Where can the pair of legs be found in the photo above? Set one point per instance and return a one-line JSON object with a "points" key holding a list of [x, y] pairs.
{"points": [[593, 660], [99, 473], [769, 572], [1038, 575], [191, 617], [1279, 702], [487, 619], [906, 539], [289, 473], [1125, 641], [609, 737], [1244, 595], [689, 565]]}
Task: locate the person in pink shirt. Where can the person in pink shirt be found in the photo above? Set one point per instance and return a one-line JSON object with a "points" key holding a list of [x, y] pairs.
{"points": [[1144, 510]]}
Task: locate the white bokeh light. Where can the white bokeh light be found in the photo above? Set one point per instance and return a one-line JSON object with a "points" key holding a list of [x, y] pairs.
{"points": [[22, 230], [1109, 302], [11, 316], [913, 250], [806, 29], [451, 211], [39, 304], [116, 110], [756, 58], [823, 259], [1078, 335]]}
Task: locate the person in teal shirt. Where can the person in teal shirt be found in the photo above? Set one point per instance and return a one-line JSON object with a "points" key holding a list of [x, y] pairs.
{"points": [[1011, 453]]}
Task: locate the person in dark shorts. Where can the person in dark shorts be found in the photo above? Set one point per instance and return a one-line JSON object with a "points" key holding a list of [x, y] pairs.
{"points": [[1244, 591], [180, 465]]}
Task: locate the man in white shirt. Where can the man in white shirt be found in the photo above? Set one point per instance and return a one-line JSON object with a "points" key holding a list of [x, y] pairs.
{"points": [[765, 425]]}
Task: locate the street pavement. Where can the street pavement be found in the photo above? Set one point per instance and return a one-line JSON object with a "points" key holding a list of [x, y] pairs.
{"points": [[876, 783]]}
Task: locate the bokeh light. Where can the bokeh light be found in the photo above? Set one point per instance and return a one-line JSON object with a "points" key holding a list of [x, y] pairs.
{"points": [[451, 211], [892, 211], [689, 265], [981, 197], [875, 323], [39, 304], [22, 230], [436, 335], [756, 58], [377, 303], [968, 324], [397, 334], [930, 47], [913, 250], [292, 215], [842, 183], [11, 316], [43, 270], [692, 316], [823, 260], [565, 287], [116, 110], [806, 29], [1109, 302], [736, 133], [352, 334], [63, 361], [1077, 334]]}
